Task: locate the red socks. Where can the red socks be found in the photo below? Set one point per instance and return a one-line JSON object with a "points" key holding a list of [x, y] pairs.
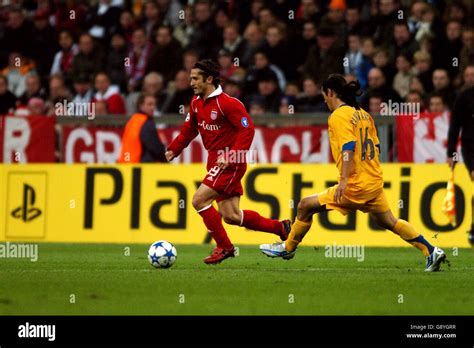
{"points": [[253, 221], [213, 222]]}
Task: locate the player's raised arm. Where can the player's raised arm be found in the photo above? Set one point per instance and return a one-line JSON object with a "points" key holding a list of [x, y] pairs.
{"points": [[187, 133]]}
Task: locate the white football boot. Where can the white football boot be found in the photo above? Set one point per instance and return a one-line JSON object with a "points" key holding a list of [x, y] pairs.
{"points": [[433, 262], [277, 250]]}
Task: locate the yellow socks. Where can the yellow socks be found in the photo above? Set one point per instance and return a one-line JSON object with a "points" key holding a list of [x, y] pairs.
{"points": [[298, 231], [407, 232]]}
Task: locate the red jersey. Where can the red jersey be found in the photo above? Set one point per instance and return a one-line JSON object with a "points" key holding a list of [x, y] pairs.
{"points": [[222, 122]]}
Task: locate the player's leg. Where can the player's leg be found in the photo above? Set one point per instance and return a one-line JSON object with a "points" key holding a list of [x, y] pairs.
{"points": [[307, 207], [233, 215], [202, 202], [408, 233]]}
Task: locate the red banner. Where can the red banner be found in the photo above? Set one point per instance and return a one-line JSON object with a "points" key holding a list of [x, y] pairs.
{"points": [[270, 145], [423, 139], [28, 139]]}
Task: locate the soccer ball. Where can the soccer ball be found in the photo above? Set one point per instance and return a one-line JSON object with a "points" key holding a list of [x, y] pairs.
{"points": [[162, 254]]}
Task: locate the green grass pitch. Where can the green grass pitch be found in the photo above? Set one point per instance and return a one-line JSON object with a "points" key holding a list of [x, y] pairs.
{"points": [[102, 280]]}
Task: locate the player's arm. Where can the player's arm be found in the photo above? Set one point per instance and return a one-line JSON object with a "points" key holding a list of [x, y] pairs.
{"points": [[188, 132]]}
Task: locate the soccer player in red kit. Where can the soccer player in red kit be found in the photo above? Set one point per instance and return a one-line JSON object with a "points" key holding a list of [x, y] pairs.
{"points": [[227, 131]]}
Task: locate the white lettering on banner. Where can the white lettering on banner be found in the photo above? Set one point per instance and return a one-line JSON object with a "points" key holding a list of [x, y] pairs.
{"points": [[76, 135], [285, 140], [107, 137], [16, 144], [100, 155]]}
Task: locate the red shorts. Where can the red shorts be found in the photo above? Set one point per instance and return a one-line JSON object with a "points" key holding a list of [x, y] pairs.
{"points": [[226, 182]]}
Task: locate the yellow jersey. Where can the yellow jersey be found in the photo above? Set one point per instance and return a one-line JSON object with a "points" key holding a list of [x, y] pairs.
{"points": [[352, 129]]}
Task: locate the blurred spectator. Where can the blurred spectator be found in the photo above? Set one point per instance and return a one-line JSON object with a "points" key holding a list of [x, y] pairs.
{"points": [[169, 10], [101, 19], [17, 34], [256, 105], [423, 69], [287, 105], [354, 24], [137, 59], [353, 57], [184, 30], [7, 98], [179, 100], [89, 60], [415, 97], [455, 10], [448, 56], [36, 107], [311, 100], [417, 9], [226, 63], [33, 89], [62, 62], [382, 61], [140, 140], [467, 51], [101, 108], [416, 85], [308, 38], [190, 58], [233, 88], [387, 15], [437, 104], [468, 77], [205, 38], [403, 42], [126, 26], [292, 89], [335, 16], [378, 85], [276, 48], [83, 92], [262, 64], [70, 16], [116, 61], [309, 11], [151, 19], [233, 41], [442, 85], [325, 57], [375, 104], [153, 84], [254, 41], [268, 89], [110, 94], [58, 91], [367, 63], [401, 81], [165, 58], [44, 42], [16, 72]]}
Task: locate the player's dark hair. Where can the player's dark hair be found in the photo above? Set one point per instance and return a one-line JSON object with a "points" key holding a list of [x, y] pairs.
{"points": [[209, 68], [347, 92]]}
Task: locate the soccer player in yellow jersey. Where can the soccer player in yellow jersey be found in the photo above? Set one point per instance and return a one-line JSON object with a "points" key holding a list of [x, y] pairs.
{"points": [[355, 148]]}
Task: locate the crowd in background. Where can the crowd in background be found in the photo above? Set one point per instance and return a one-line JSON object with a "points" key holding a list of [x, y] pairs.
{"points": [[273, 55]]}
